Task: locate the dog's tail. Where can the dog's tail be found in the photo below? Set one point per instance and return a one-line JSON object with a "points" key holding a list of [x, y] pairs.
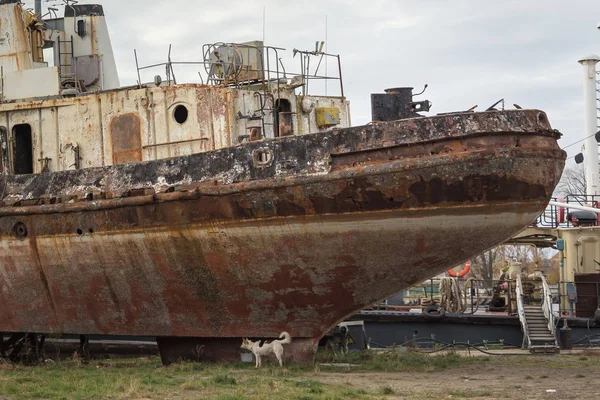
{"points": [[285, 338]]}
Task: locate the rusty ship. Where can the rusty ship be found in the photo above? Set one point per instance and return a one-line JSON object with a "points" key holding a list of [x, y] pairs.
{"points": [[240, 206]]}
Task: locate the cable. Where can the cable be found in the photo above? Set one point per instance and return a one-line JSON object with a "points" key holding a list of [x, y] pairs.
{"points": [[453, 346], [579, 141], [445, 344]]}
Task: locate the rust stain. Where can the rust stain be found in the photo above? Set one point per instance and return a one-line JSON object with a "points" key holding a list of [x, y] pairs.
{"points": [[126, 138], [218, 245]]}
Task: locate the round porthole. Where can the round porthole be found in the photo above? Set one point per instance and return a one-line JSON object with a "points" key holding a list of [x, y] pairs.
{"points": [[180, 114], [20, 230]]}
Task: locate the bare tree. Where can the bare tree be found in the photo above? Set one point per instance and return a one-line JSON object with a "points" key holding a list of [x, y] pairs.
{"points": [[572, 182], [485, 266]]}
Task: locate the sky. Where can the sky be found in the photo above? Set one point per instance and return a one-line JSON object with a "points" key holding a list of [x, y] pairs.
{"points": [[469, 52]]}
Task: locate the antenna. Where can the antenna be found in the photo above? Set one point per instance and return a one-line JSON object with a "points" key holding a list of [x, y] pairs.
{"points": [[326, 58], [264, 23]]}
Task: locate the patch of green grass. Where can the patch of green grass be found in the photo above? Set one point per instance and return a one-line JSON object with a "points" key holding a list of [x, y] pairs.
{"points": [[579, 376], [235, 396], [464, 394], [225, 379], [386, 390], [312, 387]]}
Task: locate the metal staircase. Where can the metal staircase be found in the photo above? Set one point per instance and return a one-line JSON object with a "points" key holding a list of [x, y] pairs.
{"points": [[537, 321]]}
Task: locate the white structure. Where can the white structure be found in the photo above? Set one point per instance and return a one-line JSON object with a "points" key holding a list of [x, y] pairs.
{"points": [[592, 170], [75, 114]]}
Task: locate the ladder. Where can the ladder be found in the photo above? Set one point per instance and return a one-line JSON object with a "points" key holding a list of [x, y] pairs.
{"points": [[537, 321], [68, 53]]}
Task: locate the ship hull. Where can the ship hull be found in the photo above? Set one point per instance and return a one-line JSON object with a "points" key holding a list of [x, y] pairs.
{"points": [[209, 263]]}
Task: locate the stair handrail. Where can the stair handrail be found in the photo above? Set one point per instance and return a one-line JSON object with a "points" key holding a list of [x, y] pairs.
{"points": [[547, 306], [521, 310]]}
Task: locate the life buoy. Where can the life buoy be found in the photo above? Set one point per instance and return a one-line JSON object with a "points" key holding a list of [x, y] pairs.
{"points": [[462, 272]]}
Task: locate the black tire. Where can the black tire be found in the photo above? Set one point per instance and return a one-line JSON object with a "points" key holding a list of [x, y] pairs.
{"points": [[434, 312]]}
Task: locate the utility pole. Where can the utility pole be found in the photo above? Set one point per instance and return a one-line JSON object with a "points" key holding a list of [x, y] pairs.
{"points": [[592, 168]]}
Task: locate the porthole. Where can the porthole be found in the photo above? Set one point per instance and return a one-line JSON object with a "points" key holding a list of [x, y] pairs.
{"points": [[180, 114], [262, 157], [79, 232], [20, 230]]}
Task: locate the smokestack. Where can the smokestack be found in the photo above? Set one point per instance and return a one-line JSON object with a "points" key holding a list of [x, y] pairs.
{"points": [[38, 7], [592, 174]]}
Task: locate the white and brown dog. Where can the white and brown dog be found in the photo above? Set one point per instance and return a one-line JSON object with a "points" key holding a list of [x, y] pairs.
{"points": [[259, 350]]}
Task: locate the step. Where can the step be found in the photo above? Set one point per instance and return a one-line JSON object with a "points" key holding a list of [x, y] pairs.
{"points": [[543, 339], [541, 334], [544, 349]]}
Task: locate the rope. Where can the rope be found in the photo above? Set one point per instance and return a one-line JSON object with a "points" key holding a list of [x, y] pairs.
{"points": [[451, 296]]}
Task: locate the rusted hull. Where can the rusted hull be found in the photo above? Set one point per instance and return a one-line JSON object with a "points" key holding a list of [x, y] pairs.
{"points": [[256, 256]]}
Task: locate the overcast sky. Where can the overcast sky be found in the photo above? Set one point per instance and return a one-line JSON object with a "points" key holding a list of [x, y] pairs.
{"points": [[470, 52]]}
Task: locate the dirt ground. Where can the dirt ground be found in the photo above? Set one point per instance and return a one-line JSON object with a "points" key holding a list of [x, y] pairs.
{"points": [[518, 377]]}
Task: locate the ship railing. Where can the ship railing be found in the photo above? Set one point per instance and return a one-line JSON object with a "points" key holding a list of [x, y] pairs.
{"points": [[267, 74], [560, 299], [521, 310], [547, 305], [478, 295], [555, 217]]}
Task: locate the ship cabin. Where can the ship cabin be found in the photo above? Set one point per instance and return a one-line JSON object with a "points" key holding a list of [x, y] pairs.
{"points": [[62, 106]]}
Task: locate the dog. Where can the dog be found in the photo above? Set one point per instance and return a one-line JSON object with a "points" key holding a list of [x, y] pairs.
{"points": [[260, 349], [339, 339]]}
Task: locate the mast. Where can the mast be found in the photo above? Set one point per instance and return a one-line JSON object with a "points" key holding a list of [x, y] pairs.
{"points": [[592, 169], [38, 7]]}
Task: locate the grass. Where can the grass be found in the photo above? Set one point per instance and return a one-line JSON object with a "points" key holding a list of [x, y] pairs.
{"points": [[386, 390], [402, 361], [148, 379]]}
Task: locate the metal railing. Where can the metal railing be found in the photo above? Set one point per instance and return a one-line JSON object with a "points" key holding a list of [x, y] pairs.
{"points": [[547, 305], [268, 72], [477, 293], [554, 217], [521, 310]]}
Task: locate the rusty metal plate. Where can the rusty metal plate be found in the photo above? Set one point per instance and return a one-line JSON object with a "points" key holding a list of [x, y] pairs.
{"points": [[125, 131]]}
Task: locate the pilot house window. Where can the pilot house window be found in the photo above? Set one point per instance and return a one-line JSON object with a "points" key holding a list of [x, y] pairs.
{"points": [[23, 150]]}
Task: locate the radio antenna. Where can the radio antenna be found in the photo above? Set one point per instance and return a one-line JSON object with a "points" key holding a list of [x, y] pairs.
{"points": [[264, 23], [326, 57]]}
